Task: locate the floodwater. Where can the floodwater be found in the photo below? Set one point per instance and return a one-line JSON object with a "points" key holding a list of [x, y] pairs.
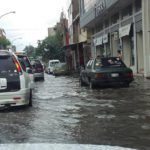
{"points": [[64, 112]]}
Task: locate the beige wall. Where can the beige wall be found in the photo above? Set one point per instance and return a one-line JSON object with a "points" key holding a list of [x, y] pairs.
{"points": [[146, 36], [83, 36], [114, 46], [140, 60]]}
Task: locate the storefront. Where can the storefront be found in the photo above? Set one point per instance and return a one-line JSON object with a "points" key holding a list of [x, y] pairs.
{"points": [[101, 45]]}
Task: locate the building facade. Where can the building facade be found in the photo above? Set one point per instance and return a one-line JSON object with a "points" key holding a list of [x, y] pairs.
{"points": [[77, 37], [51, 31], [119, 25]]}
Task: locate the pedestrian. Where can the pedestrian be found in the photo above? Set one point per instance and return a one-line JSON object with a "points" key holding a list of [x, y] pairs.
{"points": [[119, 54]]}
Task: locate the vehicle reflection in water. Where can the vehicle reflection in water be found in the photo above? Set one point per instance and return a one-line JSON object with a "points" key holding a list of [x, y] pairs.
{"points": [[64, 112]]}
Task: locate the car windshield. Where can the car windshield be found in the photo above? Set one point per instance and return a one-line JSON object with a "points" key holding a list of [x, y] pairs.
{"points": [[108, 62], [52, 64]]}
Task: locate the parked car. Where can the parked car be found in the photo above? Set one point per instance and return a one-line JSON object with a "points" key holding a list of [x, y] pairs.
{"points": [[15, 83], [51, 65], [60, 69], [38, 69], [106, 71], [25, 63]]}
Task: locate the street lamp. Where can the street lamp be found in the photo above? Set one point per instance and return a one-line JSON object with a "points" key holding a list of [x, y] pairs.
{"points": [[11, 12]]}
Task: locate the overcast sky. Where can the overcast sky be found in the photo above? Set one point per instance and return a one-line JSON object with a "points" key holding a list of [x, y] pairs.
{"points": [[31, 20]]}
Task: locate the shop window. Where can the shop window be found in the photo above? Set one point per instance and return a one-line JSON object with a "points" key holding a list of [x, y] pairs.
{"points": [[106, 23], [127, 12], [115, 18], [88, 4], [131, 35], [138, 5], [100, 50], [99, 28]]}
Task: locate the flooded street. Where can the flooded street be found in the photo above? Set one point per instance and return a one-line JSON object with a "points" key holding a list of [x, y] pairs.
{"points": [[64, 112]]}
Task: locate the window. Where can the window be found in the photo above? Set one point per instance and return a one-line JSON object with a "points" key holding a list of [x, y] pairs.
{"points": [[127, 12], [7, 64], [88, 4], [138, 5], [106, 23], [115, 18]]}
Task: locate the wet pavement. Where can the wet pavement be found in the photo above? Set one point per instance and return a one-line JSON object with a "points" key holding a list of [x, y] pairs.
{"points": [[64, 112]]}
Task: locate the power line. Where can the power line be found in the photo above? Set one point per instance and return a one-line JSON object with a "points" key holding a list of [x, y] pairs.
{"points": [[27, 29]]}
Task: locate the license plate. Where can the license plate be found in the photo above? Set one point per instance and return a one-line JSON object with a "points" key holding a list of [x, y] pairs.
{"points": [[3, 83], [114, 75]]}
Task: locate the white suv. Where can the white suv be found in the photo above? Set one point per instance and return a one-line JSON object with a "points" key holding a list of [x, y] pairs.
{"points": [[15, 83], [51, 65]]}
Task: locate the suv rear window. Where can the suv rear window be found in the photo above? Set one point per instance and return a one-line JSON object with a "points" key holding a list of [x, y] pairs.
{"points": [[7, 64], [9, 73]]}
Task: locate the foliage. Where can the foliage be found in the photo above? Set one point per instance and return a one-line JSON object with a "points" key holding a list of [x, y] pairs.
{"points": [[4, 42], [30, 51], [50, 47]]}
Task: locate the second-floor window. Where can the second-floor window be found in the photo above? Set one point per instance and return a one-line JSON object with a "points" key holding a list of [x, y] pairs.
{"points": [[138, 5], [115, 18], [126, 12]]}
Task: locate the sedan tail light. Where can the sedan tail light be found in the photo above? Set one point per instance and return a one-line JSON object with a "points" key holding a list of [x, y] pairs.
{"points": [[130, 74], [99, 75]]}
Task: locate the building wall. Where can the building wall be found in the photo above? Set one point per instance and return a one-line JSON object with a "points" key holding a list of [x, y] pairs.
{"points": [[111, 19], [51, 31], [146, 36], [140, 54]]}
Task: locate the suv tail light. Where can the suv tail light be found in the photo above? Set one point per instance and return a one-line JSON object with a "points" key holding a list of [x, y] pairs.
{"points": [[18, 67]]}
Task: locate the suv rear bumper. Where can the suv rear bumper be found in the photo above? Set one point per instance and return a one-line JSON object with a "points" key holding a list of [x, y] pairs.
{"points": [[39, 75], [18, 98]]}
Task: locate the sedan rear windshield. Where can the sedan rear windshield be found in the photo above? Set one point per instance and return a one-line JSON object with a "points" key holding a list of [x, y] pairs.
{"points": [[108, 62], [36, 64]]}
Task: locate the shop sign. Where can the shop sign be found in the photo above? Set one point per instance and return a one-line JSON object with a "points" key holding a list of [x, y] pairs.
{"points": [[100, 7], [116, 36], [105, 38], [95, 41], [99, 41], [124, 31]]}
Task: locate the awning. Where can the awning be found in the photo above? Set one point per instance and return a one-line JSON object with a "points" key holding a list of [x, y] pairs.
{"points": [[124, 31], [73, 46], [98, 41], [105, 38]]}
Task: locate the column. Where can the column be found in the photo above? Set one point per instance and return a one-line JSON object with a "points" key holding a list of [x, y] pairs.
{"points": [[146, 36]]}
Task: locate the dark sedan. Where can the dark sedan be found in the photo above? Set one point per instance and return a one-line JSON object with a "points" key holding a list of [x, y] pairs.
{"points": [[106, 71], [38, 69]]}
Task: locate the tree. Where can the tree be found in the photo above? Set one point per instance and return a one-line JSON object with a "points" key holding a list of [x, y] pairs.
{"points": [[30, 51], [50, 47], [4, 43]]}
